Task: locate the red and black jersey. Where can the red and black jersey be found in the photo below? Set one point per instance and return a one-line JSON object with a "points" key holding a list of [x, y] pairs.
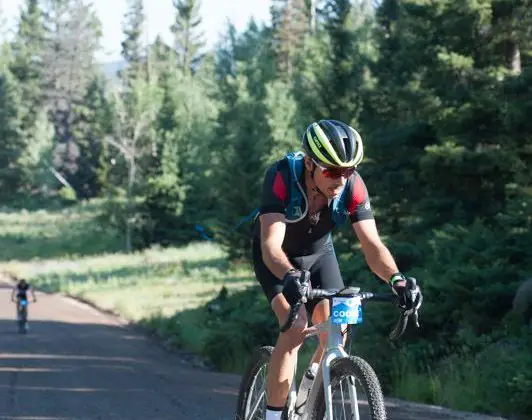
{"points": [[306, 237]]}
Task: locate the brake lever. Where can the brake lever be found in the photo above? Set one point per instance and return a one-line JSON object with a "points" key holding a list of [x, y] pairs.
{"points": [[416, 318], [418, 305], [403, 320]]}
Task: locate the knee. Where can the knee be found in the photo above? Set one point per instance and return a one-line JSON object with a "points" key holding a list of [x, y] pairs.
{"points": [[294, 337]]}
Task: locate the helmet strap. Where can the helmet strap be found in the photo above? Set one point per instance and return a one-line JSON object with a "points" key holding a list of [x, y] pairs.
{"points": [[315, 186]]}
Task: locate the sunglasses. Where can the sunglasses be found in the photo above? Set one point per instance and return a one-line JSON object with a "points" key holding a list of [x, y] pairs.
{"points": [[334, 172]]}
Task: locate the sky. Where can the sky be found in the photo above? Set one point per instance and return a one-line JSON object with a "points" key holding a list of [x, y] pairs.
{"points": [[160, 15]]}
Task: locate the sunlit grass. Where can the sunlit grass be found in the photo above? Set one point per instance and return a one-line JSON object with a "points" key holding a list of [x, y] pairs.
{"points": [[44, 234], [141, 284], [154, 283]]}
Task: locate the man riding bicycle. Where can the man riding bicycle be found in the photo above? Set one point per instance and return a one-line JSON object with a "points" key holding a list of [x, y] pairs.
{"points": [[20, 291], [303, 198]]}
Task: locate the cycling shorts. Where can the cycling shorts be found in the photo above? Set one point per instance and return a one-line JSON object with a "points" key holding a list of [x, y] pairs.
{"points": [[322, 264]]}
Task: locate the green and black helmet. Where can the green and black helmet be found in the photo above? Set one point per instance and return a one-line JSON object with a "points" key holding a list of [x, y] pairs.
{"points": [[333, 143]]}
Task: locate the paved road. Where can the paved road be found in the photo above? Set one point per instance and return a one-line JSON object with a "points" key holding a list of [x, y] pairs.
{"points": [[77, 363]]}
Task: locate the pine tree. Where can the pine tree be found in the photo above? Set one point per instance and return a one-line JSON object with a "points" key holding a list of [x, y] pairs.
{"points": [[37, 157], [243, 140], [72, 33], [28, 48], [12, 142], [346, 78], [187, 34], [289, 27], [281, 117], [185, 128], [162, 58], [91, 122], [132, 49]]}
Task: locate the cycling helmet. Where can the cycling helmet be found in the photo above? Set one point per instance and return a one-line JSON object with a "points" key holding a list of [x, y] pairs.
{"points": [[333, 143]]}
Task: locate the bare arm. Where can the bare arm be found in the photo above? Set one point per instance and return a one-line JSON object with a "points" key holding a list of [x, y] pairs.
{"points": [[13, 292], [33, 294], [377, 255], [272, 231]]}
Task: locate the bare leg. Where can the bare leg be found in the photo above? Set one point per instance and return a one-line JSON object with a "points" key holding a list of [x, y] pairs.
{"points": [[284, 356]]}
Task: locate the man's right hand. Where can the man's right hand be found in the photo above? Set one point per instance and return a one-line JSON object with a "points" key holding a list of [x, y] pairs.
{"points": [[296, 285]]}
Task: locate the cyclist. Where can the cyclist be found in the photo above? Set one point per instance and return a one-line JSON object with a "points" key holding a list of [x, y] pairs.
{"points": [[20, 291], [292, 245]]}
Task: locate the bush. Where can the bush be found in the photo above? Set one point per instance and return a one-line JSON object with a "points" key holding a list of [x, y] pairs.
{"points": [[116, 212], [506, 367], [67, 194], [244, 322]]}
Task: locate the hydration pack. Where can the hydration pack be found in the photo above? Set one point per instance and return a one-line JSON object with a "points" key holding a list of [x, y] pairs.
{"points": [[297, 206]]}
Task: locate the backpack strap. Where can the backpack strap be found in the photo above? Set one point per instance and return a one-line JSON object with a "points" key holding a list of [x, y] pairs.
{"points": [[294, 211], [297, 206]]}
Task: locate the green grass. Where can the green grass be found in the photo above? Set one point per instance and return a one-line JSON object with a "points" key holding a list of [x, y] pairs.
{"points": [[144, 283], [66, 251], [164, 289], [151, 287], [497, 380], [458, 384], [48, 234]]}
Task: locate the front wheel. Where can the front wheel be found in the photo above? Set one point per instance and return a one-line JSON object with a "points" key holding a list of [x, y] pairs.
{"points": [[22, 320], [346, 372], [252, 398]]}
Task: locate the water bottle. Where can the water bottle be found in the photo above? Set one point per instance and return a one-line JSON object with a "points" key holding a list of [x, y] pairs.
{"points": [[305, 386]]}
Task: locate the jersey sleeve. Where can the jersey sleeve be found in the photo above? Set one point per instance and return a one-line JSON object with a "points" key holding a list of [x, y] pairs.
{"points": [[274, 191], [359, 207]]}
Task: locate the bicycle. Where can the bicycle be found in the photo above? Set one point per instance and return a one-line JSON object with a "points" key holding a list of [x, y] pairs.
{"points": [[335, 366], [22, 315]]}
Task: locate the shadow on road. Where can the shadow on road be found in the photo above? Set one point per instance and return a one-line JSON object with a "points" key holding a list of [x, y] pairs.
{"points": [[67, 370], [61, 370]]}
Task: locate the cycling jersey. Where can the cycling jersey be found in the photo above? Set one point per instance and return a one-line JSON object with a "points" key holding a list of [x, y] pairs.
{"points": [[307, 244], [22, 291], [305, 237]]}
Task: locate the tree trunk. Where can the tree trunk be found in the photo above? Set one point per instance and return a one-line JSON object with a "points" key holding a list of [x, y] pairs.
{"points": [[129, 204], [313, 16], [513, 57]]}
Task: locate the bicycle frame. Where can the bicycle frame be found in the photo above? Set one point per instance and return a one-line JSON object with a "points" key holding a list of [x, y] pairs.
{"points": [[335, 349], [22, 307]]}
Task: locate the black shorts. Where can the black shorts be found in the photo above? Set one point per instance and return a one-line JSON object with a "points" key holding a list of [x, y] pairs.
{"points": [[323, 267]]}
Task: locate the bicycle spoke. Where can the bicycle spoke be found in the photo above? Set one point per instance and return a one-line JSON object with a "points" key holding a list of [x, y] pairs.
{"points": [[343, 402], [256, 406], [260, 395], [347, 398]]}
